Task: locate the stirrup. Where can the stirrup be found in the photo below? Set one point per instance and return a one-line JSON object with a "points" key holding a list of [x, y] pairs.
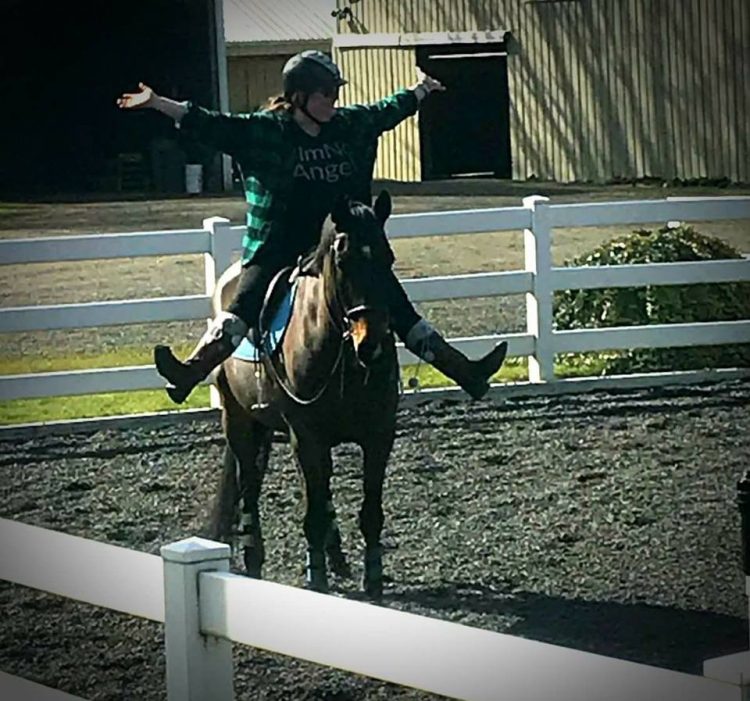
{"points": [[259, 404]]}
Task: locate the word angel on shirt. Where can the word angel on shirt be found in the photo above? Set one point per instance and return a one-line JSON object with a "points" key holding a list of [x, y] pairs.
{"points": [[327, 162]]}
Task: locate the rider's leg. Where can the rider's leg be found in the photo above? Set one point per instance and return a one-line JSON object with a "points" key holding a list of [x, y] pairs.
{"points": [[224, 334], [424, 341]]}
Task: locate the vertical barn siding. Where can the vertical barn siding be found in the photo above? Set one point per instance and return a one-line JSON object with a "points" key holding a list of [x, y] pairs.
{"points": [[253, 79], [600, 89], [373, 74]]}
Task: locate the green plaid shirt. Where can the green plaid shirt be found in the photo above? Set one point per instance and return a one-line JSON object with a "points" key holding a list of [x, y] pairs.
{"points": [[265, 145]]}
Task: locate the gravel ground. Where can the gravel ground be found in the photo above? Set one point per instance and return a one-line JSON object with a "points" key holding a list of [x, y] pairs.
{"points": [[603, 522]]}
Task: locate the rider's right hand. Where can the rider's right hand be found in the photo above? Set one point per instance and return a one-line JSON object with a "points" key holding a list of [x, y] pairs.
{"points": [[137, 100]]}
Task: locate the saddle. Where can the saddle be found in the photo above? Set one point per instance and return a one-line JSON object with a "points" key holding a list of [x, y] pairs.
{"points": [[274, 315]]}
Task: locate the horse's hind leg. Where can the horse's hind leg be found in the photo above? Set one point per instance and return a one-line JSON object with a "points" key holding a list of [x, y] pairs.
{"points": [[224, 508], [249, 443], [371, 514]]}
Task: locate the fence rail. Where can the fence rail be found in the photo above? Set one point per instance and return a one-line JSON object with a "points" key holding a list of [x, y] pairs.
{"points": [[55, 249], [85, 570], [218, 241], [436, 656], [205, 608]]}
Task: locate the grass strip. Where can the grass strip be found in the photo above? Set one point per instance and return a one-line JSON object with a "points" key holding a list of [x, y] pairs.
{"points": [[45, 409]]}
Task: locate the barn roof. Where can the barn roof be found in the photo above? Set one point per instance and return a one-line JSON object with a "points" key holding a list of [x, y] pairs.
{"points": [[249, 21]]}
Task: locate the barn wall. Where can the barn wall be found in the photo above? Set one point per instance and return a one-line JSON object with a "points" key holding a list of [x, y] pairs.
{"points": [[375, 73], [600, 89], [253, 79], [254, 69]]}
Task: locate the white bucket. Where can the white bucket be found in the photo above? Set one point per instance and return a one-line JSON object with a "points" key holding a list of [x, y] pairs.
{"points": [[194, 178]]}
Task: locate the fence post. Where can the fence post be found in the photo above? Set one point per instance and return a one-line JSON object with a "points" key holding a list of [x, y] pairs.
{"points": [[538, 255], [199, 667], [216, 261], [735, 669], [743, 503]]}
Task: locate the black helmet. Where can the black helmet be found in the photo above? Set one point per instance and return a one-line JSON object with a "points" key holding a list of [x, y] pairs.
{"points": [[309, 72]]}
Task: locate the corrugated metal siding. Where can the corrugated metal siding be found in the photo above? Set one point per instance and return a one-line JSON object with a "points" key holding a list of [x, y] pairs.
{"points": [[277, 20], [253, 79], [373, 74], [603, 89], [407, 16], [658, 89]]}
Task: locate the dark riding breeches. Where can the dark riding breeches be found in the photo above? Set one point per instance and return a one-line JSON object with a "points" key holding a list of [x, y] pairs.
{"points": [[256, 276], [251, 290], [403, 314]]}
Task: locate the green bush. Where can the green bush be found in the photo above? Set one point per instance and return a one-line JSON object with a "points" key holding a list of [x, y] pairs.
{"points": [[658, 304]]}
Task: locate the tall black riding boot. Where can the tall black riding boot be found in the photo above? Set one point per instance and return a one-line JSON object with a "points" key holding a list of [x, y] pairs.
{"points": [[472, 375], [218, 343]]}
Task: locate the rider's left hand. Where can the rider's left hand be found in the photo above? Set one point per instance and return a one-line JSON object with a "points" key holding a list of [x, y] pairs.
{"points": [[428, 83]]}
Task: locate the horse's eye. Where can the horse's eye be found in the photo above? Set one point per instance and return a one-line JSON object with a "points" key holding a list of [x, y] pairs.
{"points": [[340, 244]]}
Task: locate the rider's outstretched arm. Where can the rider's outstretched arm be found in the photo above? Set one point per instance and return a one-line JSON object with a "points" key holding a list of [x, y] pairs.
{"points": [[234, 134], [146, 98], [389, 112]]}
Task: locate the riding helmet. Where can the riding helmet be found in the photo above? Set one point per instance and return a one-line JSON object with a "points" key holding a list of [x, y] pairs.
{"points": [[309, 72]]}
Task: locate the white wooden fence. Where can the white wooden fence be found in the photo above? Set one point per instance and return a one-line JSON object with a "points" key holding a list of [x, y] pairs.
{"points": [[538, 281], [205, 608]]}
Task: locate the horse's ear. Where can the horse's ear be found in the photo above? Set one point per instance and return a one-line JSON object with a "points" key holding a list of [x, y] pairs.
{"points": [[341, 209], [382, 207]]}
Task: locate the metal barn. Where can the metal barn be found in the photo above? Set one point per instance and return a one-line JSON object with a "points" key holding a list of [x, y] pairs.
{"points": [[564, 90]]}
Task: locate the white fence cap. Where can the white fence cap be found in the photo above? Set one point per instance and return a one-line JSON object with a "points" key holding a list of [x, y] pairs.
{"points": [[192, 550]]}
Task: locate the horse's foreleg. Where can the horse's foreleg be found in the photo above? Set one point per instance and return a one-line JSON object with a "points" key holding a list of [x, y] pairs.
{"points": [[371, 514], [336, 557], [316, 466]]}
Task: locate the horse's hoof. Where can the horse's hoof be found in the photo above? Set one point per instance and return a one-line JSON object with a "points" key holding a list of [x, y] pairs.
{"points": [[373, 579], [319, 585], [374, 590], [316, 575], [252, 557], [344, 571], [339, 566], [254, 571]]}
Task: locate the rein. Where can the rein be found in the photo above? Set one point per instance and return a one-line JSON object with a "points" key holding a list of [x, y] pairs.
{"points": [[345, 335]]}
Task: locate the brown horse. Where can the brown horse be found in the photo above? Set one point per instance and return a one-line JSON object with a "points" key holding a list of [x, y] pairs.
{"points": [[333, 379]]}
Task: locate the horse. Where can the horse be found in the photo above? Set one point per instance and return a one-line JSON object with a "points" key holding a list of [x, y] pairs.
{"points": [[334, 378]]}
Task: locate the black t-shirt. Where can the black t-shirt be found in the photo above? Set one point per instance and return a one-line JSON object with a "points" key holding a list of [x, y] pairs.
{"points": [[323, 170]]}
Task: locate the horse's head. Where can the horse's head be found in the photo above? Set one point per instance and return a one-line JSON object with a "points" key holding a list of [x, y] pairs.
{"points": [[357, 262]]}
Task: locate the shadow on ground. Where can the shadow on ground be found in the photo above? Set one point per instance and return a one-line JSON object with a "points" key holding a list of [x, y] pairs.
{"points": [[653, 635]]}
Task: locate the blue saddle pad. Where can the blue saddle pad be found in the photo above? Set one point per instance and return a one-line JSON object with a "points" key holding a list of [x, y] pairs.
{"points": [[247, 350]]}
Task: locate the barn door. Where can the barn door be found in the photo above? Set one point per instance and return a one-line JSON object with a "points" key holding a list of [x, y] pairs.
{"points": [[466, 130]]}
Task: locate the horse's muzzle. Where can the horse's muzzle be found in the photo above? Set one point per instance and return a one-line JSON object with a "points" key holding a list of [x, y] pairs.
{"points": [[368, 331]]}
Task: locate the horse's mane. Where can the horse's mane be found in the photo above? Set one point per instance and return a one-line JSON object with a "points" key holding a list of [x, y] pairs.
{"points": [[317, 257]]}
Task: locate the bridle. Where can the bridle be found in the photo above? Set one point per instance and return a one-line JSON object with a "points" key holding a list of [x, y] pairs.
{"points": [[342, 318]]}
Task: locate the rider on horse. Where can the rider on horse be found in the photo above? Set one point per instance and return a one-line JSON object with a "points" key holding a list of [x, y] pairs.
{"points": [[297, 156]]}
